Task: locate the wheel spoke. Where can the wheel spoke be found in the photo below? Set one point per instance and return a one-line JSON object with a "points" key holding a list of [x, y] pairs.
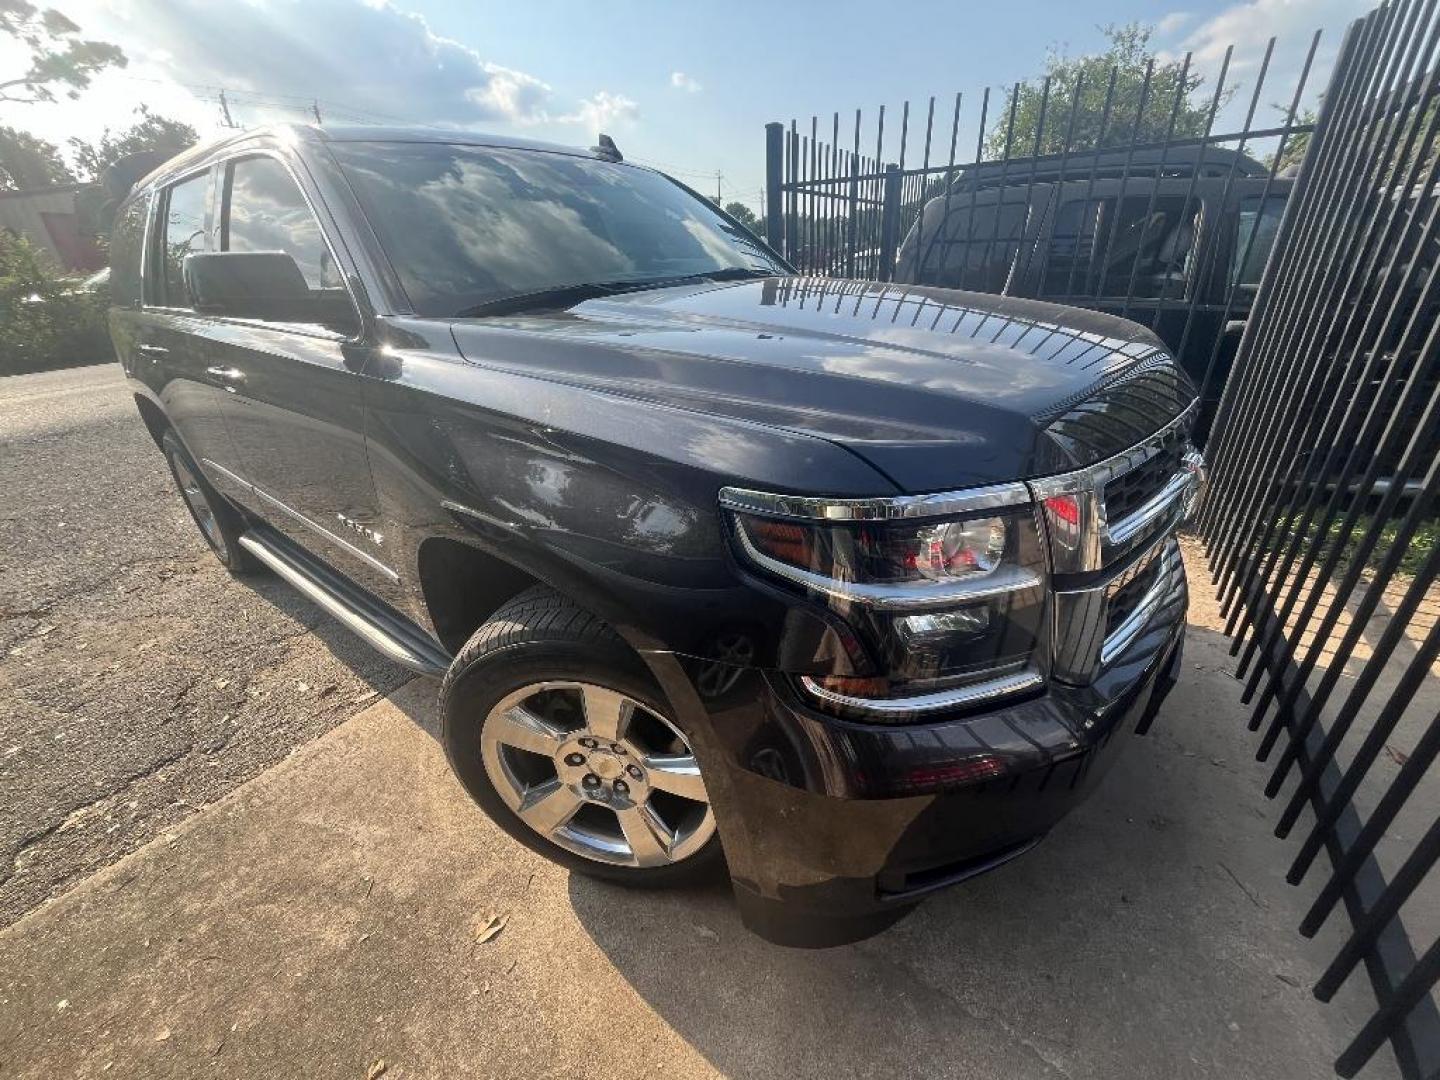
{"points": [[549, 806], [649, 837], [607, 714], [676, 773], [522, 729]]}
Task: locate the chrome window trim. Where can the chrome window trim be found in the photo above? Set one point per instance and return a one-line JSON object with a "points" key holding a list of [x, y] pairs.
{"points": [[823, 508], [958, 697], [888, 597]]}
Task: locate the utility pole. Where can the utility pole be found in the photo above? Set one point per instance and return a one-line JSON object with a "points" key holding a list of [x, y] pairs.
{"points": [[315, 108], [718, 175], [225, 111]]}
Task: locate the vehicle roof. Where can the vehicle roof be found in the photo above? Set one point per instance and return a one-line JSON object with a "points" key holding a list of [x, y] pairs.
{"points": [[314, 133], [1181, 161]]}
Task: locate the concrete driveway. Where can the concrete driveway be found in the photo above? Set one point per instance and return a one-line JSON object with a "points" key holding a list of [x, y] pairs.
{"points": [[326, 916]]}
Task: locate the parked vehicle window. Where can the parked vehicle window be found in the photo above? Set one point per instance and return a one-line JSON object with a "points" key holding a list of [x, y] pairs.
{"points": [[265, 211], [976, 247], [465, 226], [184, 234], [1263, 224], [1093, 254]]}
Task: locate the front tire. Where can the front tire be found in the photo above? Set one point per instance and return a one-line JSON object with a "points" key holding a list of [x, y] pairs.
{"points": [[559, 734]]}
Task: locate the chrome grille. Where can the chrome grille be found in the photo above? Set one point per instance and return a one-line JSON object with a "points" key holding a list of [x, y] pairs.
{"points": [[1131, 490]]}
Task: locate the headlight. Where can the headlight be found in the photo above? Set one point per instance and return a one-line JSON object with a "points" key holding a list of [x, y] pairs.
{"points": [[946, 595]]}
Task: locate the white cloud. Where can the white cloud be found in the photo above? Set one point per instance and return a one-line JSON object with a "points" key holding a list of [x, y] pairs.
{"points": [[367, 61], [1169, 24], [378, 58], [602, 111], [680, 81], [1248, 25], [512, 94]]}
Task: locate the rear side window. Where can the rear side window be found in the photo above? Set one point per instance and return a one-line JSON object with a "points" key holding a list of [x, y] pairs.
{"points": [[974, 246], [1094, 252], [182, 233], [1255, 232]]}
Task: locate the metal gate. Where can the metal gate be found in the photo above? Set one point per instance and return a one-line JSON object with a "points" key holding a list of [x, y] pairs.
{"points": [[1319, 527], [1122, 193]]}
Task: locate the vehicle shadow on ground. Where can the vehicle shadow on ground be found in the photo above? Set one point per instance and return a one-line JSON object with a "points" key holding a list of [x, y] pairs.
{"points": [[382, 675], [1151, 934]]}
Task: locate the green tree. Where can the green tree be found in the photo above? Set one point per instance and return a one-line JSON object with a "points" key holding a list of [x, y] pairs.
{"points": [[45, 321], [747, 217], [1296, 144], [27, 161], [59, 58], [1129, 55], [150, 132]]}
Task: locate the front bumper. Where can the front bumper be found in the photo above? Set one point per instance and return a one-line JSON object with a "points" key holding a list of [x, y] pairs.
{"points": [[835, 829]]}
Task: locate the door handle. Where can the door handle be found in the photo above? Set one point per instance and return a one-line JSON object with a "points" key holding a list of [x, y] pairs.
{"points": [[229, 376]]}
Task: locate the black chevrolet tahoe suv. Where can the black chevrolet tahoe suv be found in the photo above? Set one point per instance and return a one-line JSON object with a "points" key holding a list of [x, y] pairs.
{"points": [[850, 589]]}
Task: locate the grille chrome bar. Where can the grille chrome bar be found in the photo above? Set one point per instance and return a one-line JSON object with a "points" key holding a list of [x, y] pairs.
{"points": [[1082, 537]]}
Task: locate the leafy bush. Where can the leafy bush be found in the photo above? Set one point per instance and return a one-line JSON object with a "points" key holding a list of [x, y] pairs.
{"points": [[46, 319]]}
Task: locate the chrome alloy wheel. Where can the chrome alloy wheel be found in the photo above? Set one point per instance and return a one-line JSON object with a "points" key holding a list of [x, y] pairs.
{"points": [[598, 773], [200, 506]]}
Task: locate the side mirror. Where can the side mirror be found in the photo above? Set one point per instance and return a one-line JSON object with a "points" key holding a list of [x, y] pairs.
{"points": [[249, 285]]}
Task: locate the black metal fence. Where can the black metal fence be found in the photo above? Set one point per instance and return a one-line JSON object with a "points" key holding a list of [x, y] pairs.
{"points": [[1320, 524], [1120, 190], [1322, 285]]}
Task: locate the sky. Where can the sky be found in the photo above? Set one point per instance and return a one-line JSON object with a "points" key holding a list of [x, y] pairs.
{"points": [[683, 86]]}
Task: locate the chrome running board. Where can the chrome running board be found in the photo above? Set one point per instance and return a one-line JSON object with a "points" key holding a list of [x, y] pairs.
{"points": [[386, 631]]}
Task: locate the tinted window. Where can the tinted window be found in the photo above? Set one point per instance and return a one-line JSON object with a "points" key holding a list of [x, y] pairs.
{"points": [[466, 225], [972, 246], [183, 233], [1145, 251], [265, 212], [1254, 237]]}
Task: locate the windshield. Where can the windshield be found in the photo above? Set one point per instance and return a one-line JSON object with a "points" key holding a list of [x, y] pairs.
{"points": [[464, 226]]}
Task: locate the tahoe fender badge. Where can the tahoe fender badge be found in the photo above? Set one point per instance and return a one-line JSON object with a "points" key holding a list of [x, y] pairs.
{"points": [[356, 527]]}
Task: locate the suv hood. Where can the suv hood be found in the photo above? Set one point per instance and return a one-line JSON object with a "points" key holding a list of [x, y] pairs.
{"points": [[938, 389]]}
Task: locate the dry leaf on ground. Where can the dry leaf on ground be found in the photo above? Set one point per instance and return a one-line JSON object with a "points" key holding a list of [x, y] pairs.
{"points": [[493, 926]]}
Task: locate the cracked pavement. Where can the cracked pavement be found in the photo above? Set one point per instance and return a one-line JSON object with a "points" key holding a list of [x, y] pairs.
{"points": [[140, 681]]}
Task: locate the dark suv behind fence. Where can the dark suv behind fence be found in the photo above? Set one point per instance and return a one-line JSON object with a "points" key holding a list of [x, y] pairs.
{"points": [[852, 589], [1158, 236]]}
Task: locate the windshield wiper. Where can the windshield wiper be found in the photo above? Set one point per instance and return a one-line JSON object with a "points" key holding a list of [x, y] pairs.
{"points": [[565, 295]]}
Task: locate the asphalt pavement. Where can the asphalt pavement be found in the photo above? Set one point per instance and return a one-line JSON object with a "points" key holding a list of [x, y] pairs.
{"points": [[139, 681]]}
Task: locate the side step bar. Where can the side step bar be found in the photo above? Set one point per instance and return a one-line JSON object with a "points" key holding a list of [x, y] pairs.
{"points": [[388, 632]]}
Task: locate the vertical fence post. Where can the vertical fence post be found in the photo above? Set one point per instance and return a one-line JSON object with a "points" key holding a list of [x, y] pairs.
{"points": [[889, 222], [774, 170]]}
